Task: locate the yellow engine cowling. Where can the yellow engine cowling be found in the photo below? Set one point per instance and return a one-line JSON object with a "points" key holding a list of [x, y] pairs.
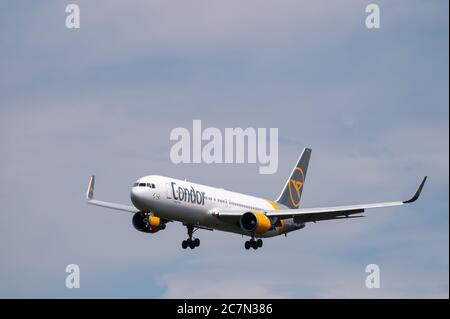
{"points": [[147, 223], [154, 223], [255, 222]]}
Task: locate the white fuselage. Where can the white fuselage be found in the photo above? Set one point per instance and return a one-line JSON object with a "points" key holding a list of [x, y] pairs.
{"points": [[195, 204]]}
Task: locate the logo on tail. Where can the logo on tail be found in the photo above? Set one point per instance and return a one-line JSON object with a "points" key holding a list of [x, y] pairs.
{"points": [[292, 191], [296, 185]]}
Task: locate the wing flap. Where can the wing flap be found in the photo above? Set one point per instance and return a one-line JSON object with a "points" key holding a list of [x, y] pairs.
{"points": [[330, 211], [302, 219]]}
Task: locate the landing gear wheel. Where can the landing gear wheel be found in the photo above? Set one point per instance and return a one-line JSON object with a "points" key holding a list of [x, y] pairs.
{"points": [[254, 245], [184, 244], [247, 245], [191, 242], [260, 243]]}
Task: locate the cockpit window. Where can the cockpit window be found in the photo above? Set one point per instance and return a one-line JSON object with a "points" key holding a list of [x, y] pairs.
{"points": [[150, 185]]}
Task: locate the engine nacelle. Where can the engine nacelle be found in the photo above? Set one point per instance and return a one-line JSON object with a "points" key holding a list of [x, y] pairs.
{"points": [[255, 222], [147, 223]]}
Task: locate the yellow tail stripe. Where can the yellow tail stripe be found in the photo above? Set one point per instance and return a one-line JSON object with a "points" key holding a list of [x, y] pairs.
{"points": [[274, 205]]}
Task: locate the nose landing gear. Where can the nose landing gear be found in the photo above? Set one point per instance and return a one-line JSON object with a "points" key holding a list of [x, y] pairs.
{"points": [[190, 242], [252, 243]]}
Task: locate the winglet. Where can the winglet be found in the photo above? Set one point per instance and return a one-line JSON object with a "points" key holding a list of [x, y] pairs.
{"points": [[90, 190], [417, 194]]}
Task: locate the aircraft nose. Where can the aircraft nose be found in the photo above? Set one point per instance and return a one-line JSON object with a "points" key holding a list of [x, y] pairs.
{"points": [[137, 197]]}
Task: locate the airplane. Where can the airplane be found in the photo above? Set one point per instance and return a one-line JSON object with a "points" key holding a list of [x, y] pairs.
{"points": [[158, 200]]}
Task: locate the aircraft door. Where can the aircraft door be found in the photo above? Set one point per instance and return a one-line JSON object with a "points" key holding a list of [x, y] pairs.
{"points": [[168, 191]]}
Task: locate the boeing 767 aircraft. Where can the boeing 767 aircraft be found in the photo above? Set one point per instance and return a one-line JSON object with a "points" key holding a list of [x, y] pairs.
{"points": [[158, 200]]}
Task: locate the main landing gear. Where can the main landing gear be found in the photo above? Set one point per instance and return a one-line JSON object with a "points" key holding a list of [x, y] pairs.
{"points": [[252, 243], [190, 242]]}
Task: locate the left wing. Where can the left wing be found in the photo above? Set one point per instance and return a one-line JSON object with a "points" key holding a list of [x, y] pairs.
{"points": [[92, 201], [327, 213]]}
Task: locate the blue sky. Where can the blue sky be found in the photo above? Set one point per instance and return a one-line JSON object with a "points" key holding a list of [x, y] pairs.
{"points": [[372, 104]]}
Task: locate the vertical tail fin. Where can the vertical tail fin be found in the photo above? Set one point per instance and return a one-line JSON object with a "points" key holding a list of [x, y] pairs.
{"points": [[292, 192]]}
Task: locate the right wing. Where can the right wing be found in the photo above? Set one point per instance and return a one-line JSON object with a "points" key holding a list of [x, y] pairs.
{"points": [[92, 201], [326, 213], [304, 215]]}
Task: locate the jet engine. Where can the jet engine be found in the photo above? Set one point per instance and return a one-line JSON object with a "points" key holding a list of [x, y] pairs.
{"points": [[147, 223], [255, 222]]}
